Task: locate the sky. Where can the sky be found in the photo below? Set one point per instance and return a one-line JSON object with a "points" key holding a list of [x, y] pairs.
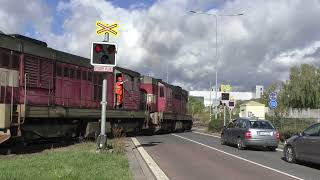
{"points": [[160, 36]]}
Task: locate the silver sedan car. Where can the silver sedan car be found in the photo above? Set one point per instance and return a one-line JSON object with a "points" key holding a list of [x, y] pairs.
{"points": [[250, 132]]}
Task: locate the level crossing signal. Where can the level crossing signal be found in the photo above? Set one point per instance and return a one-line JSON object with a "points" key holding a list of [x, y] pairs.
{"points": [[225, 96], [104, 54]]}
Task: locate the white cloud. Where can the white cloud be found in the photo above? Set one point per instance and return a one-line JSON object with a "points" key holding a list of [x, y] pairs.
{"points": [[256, 48], [17, 15]]}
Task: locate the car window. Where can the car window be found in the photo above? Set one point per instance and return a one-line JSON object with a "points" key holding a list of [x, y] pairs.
{"points": [[230, 125], [243, 124], [313, 130], [260, 125], [237, 124]]}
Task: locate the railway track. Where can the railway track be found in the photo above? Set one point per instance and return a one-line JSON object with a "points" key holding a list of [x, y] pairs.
{"points": [[36, 145]]}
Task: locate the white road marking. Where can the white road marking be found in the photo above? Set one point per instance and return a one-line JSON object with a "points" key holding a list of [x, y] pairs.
{"points": [[206, 134], [156, 170], [238, 157], [278, 149]]}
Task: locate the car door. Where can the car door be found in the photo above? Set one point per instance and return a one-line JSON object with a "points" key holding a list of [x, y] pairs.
{"points": [[316, 149], [237, 130], [308, 145], [228, 132]]}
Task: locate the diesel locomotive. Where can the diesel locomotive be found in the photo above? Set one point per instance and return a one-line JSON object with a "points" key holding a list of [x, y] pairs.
{"points": [[47, 93]]}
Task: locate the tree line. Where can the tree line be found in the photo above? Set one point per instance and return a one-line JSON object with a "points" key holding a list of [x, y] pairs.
{"points": [[301, 90]]}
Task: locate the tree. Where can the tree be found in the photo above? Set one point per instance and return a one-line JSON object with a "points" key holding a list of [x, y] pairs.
{"points": [[195, 106], [302, 90]]}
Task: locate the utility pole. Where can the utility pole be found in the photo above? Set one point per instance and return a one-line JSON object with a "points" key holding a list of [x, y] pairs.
{"points": [[216, 19], [216, 98], [167, 72], [224, 115], [210, 104]]}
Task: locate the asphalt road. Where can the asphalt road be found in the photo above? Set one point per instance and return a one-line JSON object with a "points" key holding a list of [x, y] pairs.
{"points": [[196, 156]]}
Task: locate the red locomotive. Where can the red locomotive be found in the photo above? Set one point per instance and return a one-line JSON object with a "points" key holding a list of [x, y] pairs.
{"points": [[48, 93]]}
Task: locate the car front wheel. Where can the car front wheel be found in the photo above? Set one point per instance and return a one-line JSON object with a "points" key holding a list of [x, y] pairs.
{"points": [[290, 154]]}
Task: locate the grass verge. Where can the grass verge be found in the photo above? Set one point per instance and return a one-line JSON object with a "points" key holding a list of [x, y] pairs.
{"points": [[80, 161]]}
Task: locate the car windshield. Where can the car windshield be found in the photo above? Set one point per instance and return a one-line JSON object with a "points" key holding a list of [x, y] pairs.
{"points": [[260, 125]]}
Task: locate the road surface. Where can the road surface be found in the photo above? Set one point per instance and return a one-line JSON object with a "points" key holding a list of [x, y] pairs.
{"points": [[196, 156]]}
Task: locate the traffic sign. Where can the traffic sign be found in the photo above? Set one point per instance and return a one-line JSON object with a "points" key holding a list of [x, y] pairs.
{"points": [[103, 68], [103, 28], [273, 104], [273, 96], [225, 88]]}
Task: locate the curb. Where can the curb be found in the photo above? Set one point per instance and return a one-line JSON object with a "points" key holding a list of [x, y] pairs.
{"points": [[152, 165], [139, 169]]}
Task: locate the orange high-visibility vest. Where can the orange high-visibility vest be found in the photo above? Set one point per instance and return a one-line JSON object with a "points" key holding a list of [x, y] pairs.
{"points": [[119, 88]]}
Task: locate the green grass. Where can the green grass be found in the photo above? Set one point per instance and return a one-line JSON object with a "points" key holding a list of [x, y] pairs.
{"points": [[80, 161]]}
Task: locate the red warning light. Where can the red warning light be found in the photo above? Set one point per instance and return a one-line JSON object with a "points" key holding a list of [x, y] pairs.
{"points": [[98, 48], [111, 49]]}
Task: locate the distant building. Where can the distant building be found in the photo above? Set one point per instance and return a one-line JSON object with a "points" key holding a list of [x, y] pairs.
{"points": [[259, 91], [238, 96], [198, 98], [252, 109], [233, 95]]}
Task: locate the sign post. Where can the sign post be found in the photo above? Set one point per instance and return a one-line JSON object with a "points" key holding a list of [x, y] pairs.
{"points": [[273, 103], [103, 58]]}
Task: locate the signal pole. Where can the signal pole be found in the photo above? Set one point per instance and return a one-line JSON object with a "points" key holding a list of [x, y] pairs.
{"points": [[102, 139], [224, 114]]}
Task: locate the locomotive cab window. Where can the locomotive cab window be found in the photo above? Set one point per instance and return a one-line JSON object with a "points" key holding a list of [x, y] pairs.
{"points": [[15, 61], [161, 91], [78, 74], [59, 71], [84, 75], [89, 76], [72, 73], [66, 72], [5, 59]]}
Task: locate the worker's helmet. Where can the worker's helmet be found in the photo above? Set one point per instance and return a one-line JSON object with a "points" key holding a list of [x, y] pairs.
{"points": [[119, 78]]}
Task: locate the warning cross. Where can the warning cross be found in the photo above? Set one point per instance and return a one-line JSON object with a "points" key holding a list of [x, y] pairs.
{"points": [[103, 28]]}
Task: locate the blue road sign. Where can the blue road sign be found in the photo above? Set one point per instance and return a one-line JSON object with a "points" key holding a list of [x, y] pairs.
{"points": [[273, 96], [273, 104]]}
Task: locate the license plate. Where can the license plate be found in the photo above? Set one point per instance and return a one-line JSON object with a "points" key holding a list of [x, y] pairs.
{"points": [[264, 133]]}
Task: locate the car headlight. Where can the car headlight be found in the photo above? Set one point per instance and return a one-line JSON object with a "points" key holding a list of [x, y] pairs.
{"points": [[285, 142]]}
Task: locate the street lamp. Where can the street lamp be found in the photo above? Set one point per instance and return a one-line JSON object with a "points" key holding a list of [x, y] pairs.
{"points": [[216, 17]]}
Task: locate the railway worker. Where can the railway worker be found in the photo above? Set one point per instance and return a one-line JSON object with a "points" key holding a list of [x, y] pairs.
{"points": [[119, 91]]}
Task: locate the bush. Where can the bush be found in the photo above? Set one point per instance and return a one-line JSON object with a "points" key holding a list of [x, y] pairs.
{"points": [[216, 125], [118, 143], [288, 132]]}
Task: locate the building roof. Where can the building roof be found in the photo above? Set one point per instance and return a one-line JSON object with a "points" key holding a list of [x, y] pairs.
{"points": [[252, 103]]}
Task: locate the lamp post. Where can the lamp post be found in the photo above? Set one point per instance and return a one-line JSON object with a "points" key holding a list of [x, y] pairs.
{"points": [[216, 18]]}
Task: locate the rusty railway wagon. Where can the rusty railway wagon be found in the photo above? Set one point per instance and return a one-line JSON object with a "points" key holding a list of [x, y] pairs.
{"points": [[46, 93]]}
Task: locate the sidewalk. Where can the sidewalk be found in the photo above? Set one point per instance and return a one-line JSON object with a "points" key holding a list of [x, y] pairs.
{"points": [[138, 167]]}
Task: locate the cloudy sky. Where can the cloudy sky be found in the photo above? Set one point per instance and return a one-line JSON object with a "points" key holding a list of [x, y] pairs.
{"points": [[256, 48]]}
